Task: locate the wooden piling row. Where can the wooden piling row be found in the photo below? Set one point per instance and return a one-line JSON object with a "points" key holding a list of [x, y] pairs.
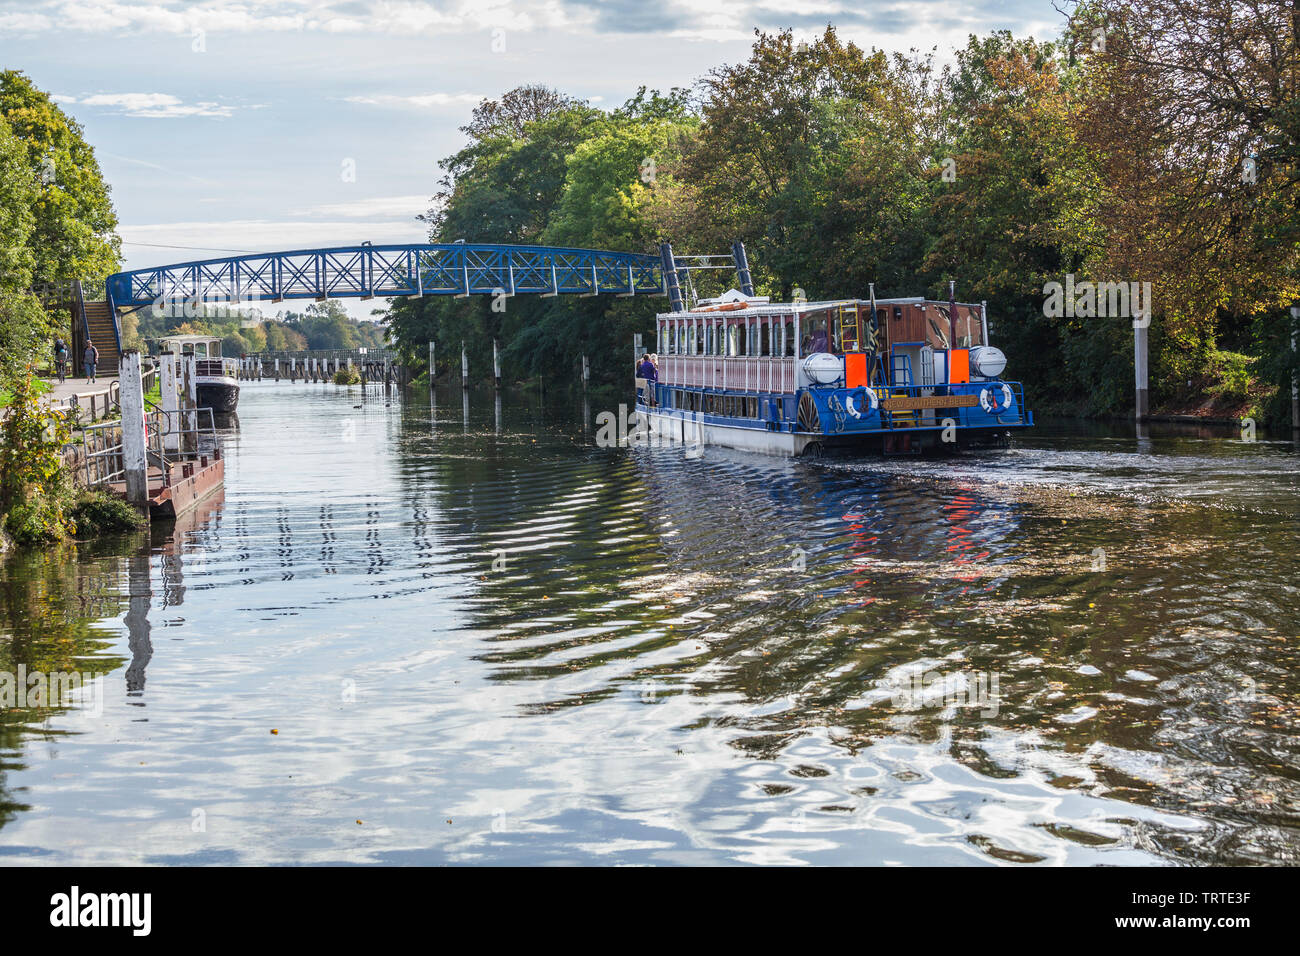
{"points": [[375, 368]]}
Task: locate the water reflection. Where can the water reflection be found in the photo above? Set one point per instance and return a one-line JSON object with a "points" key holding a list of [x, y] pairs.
{"points": [[500, 643]]}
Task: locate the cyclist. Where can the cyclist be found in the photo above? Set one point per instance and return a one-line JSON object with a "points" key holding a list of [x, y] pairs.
{"points": [[60, 359]]}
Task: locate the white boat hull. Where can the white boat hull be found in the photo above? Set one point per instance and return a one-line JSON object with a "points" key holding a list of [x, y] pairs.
{"points": [[672, 425]]}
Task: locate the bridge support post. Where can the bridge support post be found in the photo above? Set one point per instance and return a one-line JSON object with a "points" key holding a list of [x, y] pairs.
{"points": [[464, 366], [171, 403], [496, 364], [277, 370], [134, 448], [668, 267]]}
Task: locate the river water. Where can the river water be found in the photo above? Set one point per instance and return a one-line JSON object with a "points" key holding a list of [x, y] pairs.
{"points": [[429, 635]]}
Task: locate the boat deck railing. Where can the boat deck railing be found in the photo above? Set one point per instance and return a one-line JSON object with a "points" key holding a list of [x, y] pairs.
{"points": [[741, 373], [217, 367]]}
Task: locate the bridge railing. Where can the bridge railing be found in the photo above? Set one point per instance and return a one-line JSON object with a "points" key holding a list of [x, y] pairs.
{"points": [[369, 271]]}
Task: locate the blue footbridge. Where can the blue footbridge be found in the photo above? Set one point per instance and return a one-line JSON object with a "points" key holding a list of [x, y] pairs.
{"points": [[370, 271]]}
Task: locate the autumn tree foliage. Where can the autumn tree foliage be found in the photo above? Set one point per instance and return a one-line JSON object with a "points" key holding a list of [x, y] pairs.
{"points": [[1151, 141], [1188, 111]]}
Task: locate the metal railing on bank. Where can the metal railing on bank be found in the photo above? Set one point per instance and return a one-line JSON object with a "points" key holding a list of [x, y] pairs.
{"points": [[170, 437]]}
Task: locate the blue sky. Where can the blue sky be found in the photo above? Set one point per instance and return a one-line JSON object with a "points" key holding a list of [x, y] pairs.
{"points": [[232, 125]]}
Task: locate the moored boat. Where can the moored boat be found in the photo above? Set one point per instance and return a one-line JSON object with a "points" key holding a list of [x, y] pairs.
{"points": [[896, 375], [217, 386]]}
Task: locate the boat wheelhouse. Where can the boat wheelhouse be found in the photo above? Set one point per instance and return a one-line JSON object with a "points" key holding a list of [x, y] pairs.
{"points": [[215, 377], [896, 375]]}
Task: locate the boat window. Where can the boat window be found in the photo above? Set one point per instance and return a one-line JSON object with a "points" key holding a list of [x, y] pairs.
{"points": [[789, 338], [816, 333]]}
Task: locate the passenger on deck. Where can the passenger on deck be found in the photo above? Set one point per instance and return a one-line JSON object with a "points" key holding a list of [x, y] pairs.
{"points": [[647, 371]]}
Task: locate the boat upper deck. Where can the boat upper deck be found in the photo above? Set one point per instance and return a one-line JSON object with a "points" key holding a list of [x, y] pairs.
{"points": [[759, 305]]}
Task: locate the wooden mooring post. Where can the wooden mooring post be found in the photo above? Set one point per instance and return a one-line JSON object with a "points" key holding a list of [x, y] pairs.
{"points": [[432, 373], [464, 366], [135, 461], [496, 364], [169, 385], [188, 390]]}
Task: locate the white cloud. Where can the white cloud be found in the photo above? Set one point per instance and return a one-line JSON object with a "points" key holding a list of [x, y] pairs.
{"points": [[24, 23], [239, 16], [153, 105], [407, 207], [896, 24], [419, 100]]}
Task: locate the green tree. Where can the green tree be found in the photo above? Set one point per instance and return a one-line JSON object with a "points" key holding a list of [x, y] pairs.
{"points": [[26, 335], [327, 325], [764, 122], [73, 235], [17, 221], [609, 181]]}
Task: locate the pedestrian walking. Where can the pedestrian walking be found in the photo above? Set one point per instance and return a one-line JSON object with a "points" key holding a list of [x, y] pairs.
{"points": [[90, 359]]}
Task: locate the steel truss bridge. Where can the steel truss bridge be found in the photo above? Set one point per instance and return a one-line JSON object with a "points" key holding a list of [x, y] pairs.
{"points": [[371, 271]]}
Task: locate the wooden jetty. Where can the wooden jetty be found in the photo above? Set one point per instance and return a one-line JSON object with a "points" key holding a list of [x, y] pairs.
{"points": [[162, 459]]}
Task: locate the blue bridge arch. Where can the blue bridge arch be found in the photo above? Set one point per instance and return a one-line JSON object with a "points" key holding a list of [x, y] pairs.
{"points": [[370, 271]]}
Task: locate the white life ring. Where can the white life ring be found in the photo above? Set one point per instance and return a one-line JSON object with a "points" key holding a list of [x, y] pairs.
{"points": [[989, 403], [869, 403]]}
